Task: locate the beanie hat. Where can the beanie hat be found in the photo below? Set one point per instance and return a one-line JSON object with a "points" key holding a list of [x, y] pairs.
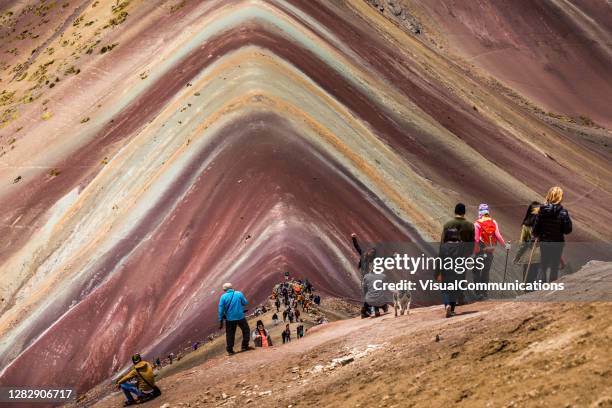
{"points": [[483, 209], [460, 209], [136, 358]]}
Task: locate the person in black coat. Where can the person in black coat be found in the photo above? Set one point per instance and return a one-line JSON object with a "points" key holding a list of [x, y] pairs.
{"points": [[450, 248], [552, 224]]}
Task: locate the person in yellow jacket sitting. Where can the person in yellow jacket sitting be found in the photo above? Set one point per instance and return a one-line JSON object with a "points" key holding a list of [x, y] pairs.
{"points": [[144, 388]]}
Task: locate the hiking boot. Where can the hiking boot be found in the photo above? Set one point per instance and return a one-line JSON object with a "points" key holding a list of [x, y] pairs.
{"points": [[249, 348], [231, 353], [365, 315], [128, 403]]}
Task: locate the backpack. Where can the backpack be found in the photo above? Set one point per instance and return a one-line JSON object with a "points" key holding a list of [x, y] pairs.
{"points": [[487, 234]]}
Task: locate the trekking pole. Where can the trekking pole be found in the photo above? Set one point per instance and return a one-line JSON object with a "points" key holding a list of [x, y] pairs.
{"points": [[506, 266], [535, 242]]}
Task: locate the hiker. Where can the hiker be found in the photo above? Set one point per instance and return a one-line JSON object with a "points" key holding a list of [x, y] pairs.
{"points": [[300, 300], [277, 304], [486, 237], [297, 315], [377, 298], [291, 315], [317, 300], [261, 337], [171, 357], [275, 319], [363, 256], [528, 253], [145, 388], [285, 314], [463, 226], [231, 309], [451, 248], [158, 362], [195, 345], [307, 286], [286, 335], [551, 225], [299, 331]]}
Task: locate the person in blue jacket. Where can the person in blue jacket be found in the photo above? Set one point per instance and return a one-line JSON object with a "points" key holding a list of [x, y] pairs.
{"points": [[231, 309]]}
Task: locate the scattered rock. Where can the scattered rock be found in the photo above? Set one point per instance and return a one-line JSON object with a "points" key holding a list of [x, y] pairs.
{"points": [[346, 360], [264, 393]]}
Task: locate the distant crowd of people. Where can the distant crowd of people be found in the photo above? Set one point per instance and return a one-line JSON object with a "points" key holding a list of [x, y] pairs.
{"points": [[292, 295]]}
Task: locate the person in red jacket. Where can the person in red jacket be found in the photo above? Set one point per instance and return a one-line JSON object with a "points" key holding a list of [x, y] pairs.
{"points": [[486, 237]]}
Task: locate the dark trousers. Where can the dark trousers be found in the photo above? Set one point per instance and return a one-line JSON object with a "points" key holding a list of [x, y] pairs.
{"points": [[482, 276], [550, 259], [366, 309], [450, 298], [230, 333]]}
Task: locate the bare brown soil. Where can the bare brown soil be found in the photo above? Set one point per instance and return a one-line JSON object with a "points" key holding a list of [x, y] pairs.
{"points": [[492, 354]]}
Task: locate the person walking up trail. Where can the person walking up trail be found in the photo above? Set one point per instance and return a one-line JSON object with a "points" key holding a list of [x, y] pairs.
{"points": [[486, 237], [551, 225], [261, 337], [528, 253], [286, 335], [231, 309]]}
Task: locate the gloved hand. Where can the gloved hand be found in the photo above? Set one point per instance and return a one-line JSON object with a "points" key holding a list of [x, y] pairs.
{"points": [[508, 246]]}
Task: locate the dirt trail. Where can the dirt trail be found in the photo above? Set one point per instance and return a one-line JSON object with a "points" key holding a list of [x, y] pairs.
{"points": [[492, 354]]}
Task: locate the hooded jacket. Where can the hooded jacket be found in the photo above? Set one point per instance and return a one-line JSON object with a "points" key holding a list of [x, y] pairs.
{"points": [[146, 370], [552, 224]]}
